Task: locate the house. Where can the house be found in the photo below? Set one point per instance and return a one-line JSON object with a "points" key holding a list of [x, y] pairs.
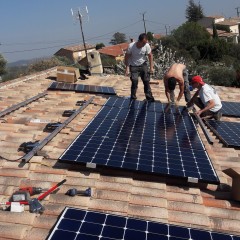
{"points": [[75, 53], [162, 199], [115, 52], [229, 27]]}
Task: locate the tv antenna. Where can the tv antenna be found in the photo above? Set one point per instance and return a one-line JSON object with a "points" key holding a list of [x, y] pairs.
{"points": [[237, 10], [80, 15]]}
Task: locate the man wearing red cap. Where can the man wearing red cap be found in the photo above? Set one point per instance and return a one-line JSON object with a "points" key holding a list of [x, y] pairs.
{"points": [[209, 102]]}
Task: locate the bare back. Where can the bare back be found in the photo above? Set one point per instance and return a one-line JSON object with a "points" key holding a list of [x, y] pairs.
{"points": [[176, 71]]}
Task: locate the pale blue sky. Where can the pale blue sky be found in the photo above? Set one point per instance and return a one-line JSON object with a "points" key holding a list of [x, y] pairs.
{"points": [[31, 28]]}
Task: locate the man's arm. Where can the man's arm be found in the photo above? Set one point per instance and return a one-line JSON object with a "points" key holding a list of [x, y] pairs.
{"points": [[181, 88], [126, 59], [167, 92], [192, 100], [210, 105], [150, 57]]}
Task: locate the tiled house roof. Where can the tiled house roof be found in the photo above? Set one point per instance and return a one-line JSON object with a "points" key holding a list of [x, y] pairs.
{"points": [[149, 197], [114, 50]]}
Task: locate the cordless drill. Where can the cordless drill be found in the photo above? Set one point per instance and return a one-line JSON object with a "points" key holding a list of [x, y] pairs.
{"points": [[33, 190]]}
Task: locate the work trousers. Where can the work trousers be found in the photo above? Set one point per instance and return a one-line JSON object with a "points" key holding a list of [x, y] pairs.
{"points": [[141, 71]]}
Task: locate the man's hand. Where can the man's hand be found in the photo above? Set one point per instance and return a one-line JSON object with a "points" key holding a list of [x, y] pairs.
{"points": [[199, 112], [126, 71]]}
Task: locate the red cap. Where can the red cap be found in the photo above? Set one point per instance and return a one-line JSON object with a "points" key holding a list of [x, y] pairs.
{"points": [[197, 79]]}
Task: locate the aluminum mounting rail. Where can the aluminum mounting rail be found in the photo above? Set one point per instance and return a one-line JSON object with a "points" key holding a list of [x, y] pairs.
{"points": [[205, 131], [22, 104], [43, 142]]}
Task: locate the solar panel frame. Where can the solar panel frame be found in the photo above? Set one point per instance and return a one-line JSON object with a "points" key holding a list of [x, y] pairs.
{"points": [[78, 224], [231, 109], [106, 137], [227, 132]]}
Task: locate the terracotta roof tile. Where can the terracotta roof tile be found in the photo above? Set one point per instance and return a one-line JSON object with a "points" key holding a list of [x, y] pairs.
{"points": [[13, 231], [157, 198]]}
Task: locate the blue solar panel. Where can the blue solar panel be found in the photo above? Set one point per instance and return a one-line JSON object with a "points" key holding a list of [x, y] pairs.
{"points": [[147, 141], [77, 224], [229, 132], [81, 88], [231, 109]]}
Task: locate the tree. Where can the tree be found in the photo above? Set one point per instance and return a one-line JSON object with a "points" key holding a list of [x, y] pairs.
{"points": [[150, 36], [3, 63], [118, 38], [190, 34], [99, 46], [194, 12]]}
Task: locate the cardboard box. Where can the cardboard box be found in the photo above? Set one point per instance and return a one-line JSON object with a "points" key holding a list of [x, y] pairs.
{"points": [[67, 74], [235, 175]]}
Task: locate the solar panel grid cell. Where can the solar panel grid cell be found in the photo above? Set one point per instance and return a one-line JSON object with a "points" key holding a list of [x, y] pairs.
{"points": [[84, 225]]}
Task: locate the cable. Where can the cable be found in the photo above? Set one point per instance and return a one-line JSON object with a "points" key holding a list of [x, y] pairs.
{"points": [[10, 160]]}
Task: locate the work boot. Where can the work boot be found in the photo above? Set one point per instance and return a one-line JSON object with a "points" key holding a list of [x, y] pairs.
{"points": [[150, 99], [133, 97], [217, 116]]}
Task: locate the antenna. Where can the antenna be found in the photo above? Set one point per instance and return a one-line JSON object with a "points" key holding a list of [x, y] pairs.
{"points": [[237, 11], [144, 23], [82, 15]]}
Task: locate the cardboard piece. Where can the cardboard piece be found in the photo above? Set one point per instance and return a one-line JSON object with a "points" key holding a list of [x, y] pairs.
{"points": [[235, 175], [67, 74]]}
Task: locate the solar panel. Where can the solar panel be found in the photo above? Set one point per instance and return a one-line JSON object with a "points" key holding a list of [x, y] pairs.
{"points": [[77, 224], [229, 132], [231, 109], [81, 88], [62, 86], [147, 141]]}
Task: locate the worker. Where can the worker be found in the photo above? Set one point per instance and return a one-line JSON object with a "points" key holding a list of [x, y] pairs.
{"points": [[209, 102], [136, 62], [177, 73]]}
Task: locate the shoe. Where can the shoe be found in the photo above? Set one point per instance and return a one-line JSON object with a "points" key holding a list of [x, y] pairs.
{"points": [[217, 116], [133, 97], [150, 99]]}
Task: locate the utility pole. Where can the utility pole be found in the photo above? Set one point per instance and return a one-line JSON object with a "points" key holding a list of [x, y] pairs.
{"points": [[237, 11], [166, 30], [144, 23], [84, 43], [79, 16]]}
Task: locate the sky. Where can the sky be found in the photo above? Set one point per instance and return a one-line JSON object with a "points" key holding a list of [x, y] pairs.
{"points": [[34, 29]]}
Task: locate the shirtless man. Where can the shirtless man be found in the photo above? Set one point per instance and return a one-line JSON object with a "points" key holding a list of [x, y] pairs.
{"points": [[177, 73]]}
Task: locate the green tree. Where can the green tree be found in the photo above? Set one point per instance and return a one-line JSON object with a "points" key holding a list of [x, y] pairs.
{"points": [[118, 38], [194, 12], [99, 46], [3, 63], [190, 34], [150, 36]]}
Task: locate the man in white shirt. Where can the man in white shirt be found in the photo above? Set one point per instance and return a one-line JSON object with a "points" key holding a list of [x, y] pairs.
{"points": [[209, 102], [136, 61]]}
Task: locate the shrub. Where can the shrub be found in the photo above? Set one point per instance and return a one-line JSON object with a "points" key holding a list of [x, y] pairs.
{"points": [[222, 76]]}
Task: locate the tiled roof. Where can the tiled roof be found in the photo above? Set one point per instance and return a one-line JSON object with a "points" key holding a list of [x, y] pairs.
{"points": [[228, 23], [149, 197], [221, 33], [77, 48], [114, 50]]}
